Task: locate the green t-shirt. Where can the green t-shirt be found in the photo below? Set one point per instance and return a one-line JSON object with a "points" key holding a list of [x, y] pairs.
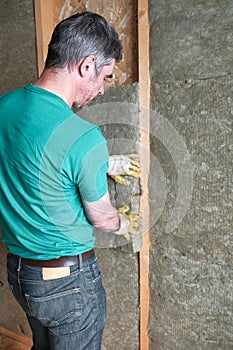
{"points": [[51, 161]]}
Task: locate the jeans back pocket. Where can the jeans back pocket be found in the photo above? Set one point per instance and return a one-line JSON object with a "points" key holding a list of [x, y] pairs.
{"points": [[60, 312]]}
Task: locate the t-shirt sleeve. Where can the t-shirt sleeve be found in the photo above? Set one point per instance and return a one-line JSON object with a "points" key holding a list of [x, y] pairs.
{"points": [[88, 163]]}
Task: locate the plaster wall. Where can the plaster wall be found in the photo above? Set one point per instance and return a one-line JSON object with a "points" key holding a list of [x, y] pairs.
{"points": [[191, 262]]}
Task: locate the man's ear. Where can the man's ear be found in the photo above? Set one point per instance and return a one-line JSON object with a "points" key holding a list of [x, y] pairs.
{"points": [[87, 66]]}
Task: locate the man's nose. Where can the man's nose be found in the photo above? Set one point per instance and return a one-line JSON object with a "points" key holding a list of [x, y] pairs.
{"points": [[101, 90]]}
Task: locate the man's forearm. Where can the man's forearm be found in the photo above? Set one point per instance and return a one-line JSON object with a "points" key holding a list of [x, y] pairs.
{"points": [[102, 214]]}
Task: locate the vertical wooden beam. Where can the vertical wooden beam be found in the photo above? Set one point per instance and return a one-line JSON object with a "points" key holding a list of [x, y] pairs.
{"points": [[44, 28], [144, 122]]}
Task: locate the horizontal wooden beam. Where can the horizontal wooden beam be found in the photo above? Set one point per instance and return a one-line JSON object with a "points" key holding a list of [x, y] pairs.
{"points": [[16, 336]]}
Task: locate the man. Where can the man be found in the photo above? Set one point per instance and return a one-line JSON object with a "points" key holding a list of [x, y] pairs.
{"points": [[54, 192]]}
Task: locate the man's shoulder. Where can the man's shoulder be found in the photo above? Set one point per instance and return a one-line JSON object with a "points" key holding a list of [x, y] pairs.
{"points": [[83, 126], [11, 94]]}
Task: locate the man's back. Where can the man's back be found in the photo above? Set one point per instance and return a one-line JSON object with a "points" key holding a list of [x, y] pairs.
{"points": [[43, 151]]}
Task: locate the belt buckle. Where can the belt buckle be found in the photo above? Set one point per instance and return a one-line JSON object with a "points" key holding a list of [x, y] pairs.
{"points": [[50, 273]]}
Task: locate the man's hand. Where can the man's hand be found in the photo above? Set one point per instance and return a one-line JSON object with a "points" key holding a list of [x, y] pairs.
{"points": [[121, 166], [129, 223]]}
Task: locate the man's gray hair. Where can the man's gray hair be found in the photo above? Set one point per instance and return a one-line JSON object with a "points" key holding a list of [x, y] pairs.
{"points": [[81, 35]]}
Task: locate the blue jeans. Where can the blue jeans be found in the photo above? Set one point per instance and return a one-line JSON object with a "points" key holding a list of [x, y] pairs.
{"points": [[66, 313]]}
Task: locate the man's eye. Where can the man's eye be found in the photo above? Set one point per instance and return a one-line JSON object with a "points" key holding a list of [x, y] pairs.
{"points": [[109, 77]]}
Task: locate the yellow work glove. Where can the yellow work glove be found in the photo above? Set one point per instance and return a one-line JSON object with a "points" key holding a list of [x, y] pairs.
{"points": [[128, 223], [121, 166]]}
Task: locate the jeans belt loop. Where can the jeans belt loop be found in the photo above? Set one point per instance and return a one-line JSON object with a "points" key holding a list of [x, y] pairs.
{"points": [[19, 264], [80, 259]]}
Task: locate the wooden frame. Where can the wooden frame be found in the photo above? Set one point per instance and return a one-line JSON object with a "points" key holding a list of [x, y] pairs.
{"points": [[44, 27], [144, 122], [20, 338]]}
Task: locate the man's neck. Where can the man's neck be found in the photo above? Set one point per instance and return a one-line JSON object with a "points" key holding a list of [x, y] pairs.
{"points": [[59, 82]]}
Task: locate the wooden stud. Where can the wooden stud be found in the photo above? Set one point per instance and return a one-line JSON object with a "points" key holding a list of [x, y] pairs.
{"points": [[144, 122], [44, 28], [21, 338]]}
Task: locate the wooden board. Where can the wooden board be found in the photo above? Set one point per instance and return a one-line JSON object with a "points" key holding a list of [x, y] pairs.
{"points": [[122, 14], [13, 341], [44, 28], [144, 123]]}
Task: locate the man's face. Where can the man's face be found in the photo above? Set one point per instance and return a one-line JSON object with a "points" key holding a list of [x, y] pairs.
{"points": [[94, 85]]}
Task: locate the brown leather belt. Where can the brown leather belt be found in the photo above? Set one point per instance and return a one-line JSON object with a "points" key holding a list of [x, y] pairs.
{"points": [[63, 261]]}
